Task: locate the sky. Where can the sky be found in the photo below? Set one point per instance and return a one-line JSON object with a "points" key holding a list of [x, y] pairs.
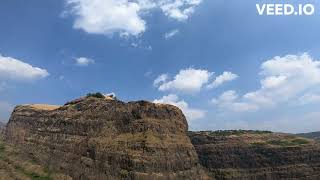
{"points": [[219, 61]]}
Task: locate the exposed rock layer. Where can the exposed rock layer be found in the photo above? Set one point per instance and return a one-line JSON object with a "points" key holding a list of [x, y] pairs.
{"points": [[256, 155], [94, 138], [103, 138]]}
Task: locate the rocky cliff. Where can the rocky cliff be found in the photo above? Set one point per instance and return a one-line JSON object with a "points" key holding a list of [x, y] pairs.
{"points": [[103, 138], [257, 155]]}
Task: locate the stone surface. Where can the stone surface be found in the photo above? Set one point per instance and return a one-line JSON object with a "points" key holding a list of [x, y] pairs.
{"points": [[103, 138], [257, 155]]}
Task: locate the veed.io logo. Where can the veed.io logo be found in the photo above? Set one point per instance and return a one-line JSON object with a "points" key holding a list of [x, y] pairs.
{"points": [[285, 9]]}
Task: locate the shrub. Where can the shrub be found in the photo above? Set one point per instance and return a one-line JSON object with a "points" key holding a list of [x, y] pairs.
{"points": [[285, 142], [96, 95], [237, 132]]}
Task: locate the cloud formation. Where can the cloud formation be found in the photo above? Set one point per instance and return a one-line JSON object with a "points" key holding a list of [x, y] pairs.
{"points": [[161, 79], [285, 80], [223, 78], [187, 80], [124, 16], [83, 61], [17, 70], [179, 10], [190, 113], [171, 33]]}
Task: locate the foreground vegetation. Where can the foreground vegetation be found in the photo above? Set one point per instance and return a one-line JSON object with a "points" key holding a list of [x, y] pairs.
{"points": [[283, 142], [13, 166], [236, 132]]}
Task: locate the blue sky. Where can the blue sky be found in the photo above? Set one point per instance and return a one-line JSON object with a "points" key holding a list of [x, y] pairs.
{"points": [[213, 59]]}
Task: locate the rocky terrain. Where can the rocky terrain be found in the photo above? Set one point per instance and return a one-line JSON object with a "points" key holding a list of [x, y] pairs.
{"points": [[257, 155], [103, 138], [312, 135], [98, 137]]}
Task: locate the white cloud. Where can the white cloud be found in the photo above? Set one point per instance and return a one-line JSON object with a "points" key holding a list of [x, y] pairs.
{"points": [[161, 79], [112, 94], [285, 80], [187, 80], [14, 69], [170, 34], [107, 16], [228, 101], [83, 61], [223, 78], [124, 16], [179, 10], [190, 113], [309, 98]]}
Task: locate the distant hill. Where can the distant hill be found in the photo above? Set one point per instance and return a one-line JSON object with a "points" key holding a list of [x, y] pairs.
{"points": [[242, 154], [312, 135]]}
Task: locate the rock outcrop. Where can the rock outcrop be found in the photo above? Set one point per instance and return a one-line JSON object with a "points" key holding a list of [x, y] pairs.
{"points": [[99, 137], [103, 138], [257, 155]]}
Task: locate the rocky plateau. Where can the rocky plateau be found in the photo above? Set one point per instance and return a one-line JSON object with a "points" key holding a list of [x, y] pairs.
{"points": [[99, 138]]}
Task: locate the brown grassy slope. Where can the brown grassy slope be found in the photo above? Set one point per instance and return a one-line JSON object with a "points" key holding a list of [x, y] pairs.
{"points": [[15, 167]]}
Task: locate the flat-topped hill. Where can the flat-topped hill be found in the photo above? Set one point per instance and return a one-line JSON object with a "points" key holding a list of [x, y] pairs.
{"points": [[257, 155], [104, 138], [98, 137]]}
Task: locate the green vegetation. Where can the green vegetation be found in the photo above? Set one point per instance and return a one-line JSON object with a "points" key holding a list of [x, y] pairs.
{"points": [[287, 142], [237, 132], [96, 95], [7, 157], [259, 144], [124, 173], [313, 135], [2, 147], [283, 142], [227, 173], [32, 175]]}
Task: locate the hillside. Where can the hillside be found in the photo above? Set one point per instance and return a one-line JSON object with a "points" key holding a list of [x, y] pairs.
{"points": [[257, 155], [312, 135], [98, 137], [103, 138], [14, 166]]}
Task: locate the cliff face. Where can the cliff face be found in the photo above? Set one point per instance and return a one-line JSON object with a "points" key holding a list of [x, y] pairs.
{"points": [[101, 138], [257, 155]]}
